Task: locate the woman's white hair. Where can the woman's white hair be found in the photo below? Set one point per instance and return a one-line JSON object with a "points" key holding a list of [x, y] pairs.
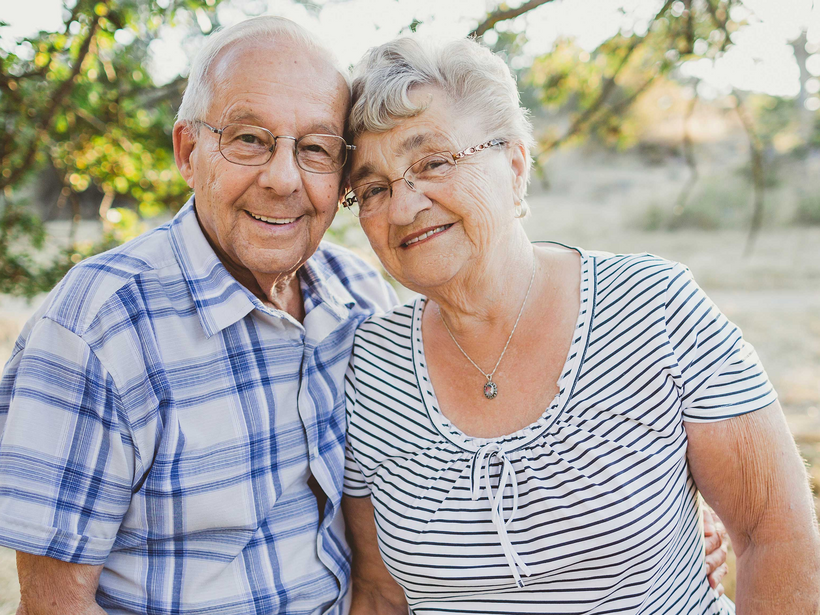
{"points": [[198, 94], [477, 81]]}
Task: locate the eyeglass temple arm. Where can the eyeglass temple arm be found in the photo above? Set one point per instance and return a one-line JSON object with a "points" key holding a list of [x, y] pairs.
{"points": [[474, 150], [216, 131]]}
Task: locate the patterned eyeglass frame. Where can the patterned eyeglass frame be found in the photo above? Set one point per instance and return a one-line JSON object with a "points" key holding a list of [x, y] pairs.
{"points": [[350, 199]]}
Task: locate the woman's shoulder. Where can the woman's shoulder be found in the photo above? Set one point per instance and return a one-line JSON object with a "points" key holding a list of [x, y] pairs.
{"points": [[611, 270], [617, 269], [398, 319], [392, 329]]}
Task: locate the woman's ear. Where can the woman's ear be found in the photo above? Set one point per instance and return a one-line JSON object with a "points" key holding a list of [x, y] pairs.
{"points": [[519, 168]]}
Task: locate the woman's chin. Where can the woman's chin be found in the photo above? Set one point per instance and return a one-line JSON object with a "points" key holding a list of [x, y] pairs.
{"points": [[422, 279]]}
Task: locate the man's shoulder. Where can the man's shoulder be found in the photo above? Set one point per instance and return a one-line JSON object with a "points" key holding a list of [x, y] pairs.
{"points": [[90, 286], [357, 273], [344, 263]]}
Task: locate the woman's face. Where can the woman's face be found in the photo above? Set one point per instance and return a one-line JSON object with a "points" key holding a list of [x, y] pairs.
{"points": [[425, 238]]}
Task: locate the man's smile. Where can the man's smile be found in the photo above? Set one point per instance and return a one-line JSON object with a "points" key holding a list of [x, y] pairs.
{"points": [[274, 221]]}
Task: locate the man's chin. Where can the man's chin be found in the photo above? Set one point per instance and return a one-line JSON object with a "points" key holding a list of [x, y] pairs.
{"points": [[271, 264]]}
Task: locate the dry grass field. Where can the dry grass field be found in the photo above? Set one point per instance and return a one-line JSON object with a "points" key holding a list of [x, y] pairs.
{"points": [[620, 204]]}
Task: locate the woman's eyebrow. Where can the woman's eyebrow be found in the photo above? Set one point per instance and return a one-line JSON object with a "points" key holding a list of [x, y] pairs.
{"points": [[362, 172], [413, 143], [410, 144]]}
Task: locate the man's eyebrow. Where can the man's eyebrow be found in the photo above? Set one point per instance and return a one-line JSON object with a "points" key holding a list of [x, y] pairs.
{"points": [[249, 117], [245, 117], [324, 129]]}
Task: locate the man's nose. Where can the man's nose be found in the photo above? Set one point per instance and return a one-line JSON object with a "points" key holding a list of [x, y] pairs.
{"points": [[406, 203], [281, 174]]}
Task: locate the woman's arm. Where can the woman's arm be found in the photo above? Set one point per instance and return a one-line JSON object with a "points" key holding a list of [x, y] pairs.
{"points": [[375, 592], [749, 471]]}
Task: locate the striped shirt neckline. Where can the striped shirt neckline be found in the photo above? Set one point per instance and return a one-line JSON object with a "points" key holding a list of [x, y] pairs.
{"points": [[569, 374]]}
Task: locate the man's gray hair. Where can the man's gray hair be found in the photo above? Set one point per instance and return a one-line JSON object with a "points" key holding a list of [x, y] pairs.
{"points": [[196, 100], [477, 81]]}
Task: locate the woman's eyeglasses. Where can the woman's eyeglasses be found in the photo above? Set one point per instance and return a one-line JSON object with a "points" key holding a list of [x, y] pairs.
{"points": [[370, 198]]}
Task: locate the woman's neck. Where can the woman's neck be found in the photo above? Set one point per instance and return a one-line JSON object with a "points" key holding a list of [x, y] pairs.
{"points": [[489, 291]]}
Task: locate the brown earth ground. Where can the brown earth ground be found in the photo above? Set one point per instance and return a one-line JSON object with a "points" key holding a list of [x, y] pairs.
{"points": [[607, 202]]}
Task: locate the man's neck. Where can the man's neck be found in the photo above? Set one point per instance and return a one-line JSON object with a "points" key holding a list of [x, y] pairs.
{"points": [[287, 298], [282, 292]]}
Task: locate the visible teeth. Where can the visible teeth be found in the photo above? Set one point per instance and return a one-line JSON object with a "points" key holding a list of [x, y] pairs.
{"points": [[274, 220], [427, 234]]}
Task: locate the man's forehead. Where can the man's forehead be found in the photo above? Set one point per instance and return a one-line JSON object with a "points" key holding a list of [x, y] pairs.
{"points": [[275, 81], [326, 124]]}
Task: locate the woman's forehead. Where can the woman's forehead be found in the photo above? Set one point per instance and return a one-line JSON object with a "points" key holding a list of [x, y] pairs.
{"points": [[383, 153], [429, 132]]}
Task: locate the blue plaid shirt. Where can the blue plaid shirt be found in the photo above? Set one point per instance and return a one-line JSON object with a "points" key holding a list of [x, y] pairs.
{"points": [[157, 418]]}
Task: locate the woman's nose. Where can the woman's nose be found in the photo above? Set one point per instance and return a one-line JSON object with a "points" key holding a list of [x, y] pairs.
{"points": [[406, 202]]}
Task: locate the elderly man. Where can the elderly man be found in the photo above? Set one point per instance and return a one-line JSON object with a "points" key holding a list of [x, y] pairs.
{"points": [[174, 412], [173, 416]]}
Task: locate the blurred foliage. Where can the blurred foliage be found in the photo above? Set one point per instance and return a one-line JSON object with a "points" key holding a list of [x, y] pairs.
{"points": [[82, 101], [808, 209], [716, 203], [598, 90]]}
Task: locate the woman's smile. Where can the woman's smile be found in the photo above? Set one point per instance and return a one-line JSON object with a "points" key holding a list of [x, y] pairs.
{"points": [[423, 235]]}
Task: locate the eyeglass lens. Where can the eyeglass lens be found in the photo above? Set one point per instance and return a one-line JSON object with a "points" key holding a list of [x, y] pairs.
{"points": [[252, 145], [369, 198]]}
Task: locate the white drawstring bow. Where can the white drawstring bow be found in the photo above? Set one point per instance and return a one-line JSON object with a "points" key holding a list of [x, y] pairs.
{"points": [[483, 457]]}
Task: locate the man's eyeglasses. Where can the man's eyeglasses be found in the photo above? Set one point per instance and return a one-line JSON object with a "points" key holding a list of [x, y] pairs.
{"points": [[253, 146], [368, 199]]}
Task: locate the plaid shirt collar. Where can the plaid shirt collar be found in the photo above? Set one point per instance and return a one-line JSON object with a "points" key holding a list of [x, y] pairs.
{"points": [[222, 301]]}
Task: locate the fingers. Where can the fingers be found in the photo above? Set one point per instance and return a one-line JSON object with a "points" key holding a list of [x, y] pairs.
{"points": [[717, 544], [715, 559], [717, 576], [712, 542], [709, 518]]}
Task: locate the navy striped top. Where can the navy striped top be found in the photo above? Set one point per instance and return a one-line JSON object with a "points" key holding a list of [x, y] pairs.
{"points": [[590, 509]]}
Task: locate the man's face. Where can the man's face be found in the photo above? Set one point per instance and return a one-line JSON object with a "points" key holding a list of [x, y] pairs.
{"points": [[265, 221]]}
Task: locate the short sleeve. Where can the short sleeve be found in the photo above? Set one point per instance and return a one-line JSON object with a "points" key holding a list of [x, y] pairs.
{"points": [[66, 462], [720, 374], [355, 484]]}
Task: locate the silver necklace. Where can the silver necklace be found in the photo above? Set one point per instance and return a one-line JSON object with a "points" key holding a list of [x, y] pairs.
{"points": [[491, 388]]}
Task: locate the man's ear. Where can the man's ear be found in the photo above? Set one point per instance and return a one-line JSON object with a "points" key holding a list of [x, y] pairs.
{"points": [[184, 143]]}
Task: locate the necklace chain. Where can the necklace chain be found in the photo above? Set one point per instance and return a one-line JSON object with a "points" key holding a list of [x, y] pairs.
{"points": [[491, 389]]}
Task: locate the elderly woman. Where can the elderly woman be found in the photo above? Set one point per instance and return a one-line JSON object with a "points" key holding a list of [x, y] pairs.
{"points": [[530, 434]]}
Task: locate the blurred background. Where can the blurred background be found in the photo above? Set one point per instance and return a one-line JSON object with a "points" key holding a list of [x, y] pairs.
{"points": [[685, 128]]}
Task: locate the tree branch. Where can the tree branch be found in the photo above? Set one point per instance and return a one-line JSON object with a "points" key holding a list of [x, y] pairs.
{"points": [[758, 177], [720, 23], [503, 15], [606, 90], [55, 101], [691, 160]]}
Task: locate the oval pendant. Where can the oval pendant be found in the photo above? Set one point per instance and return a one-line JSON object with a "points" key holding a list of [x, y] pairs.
{"points": [[490, 390]]}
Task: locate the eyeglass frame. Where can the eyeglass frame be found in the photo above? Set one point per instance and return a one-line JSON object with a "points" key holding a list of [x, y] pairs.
{"points": [[348, 200], [271, 150]]}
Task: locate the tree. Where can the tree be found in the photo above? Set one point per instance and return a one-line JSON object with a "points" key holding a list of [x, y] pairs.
{"points": [[598, 90], [82, 101]]}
